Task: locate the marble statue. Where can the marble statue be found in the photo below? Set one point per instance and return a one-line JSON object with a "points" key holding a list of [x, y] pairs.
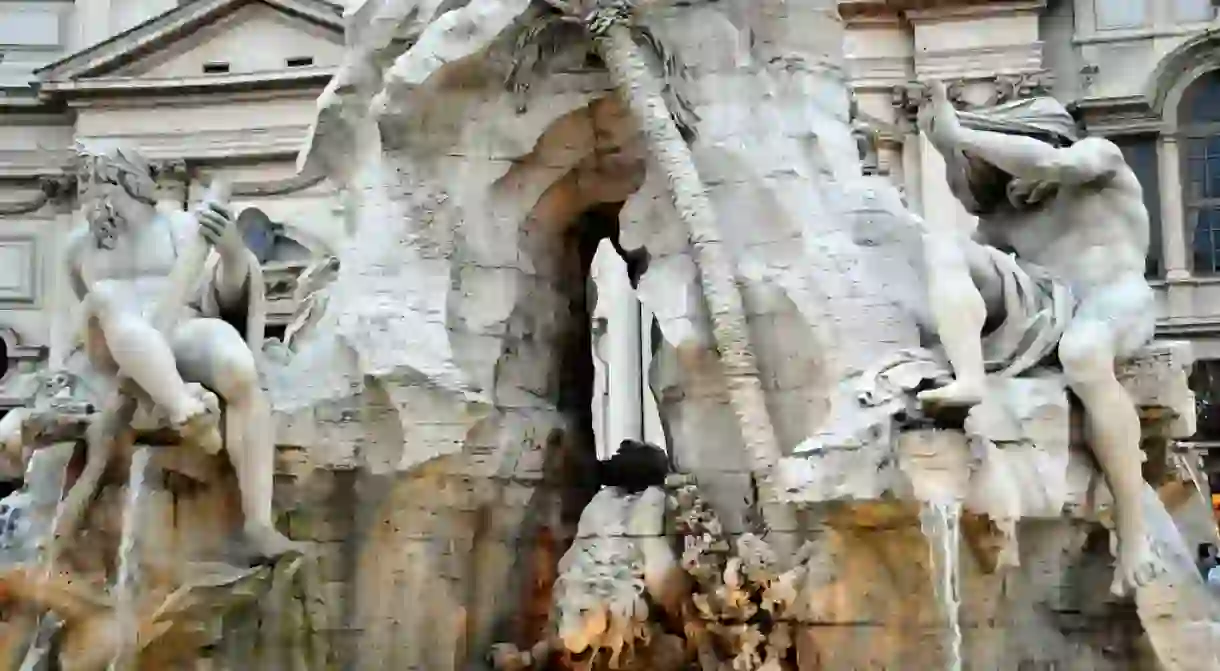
{"points": [[1056, 267], [120, 266]]}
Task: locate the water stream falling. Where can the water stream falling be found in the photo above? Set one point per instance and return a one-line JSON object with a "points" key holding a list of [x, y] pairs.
{"points": [[940, 523], [127, 585]]}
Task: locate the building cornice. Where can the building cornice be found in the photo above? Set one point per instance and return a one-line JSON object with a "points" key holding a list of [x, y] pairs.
{"points": [[1194, 326], [315, 77], [1127, 115], [852, 10]]}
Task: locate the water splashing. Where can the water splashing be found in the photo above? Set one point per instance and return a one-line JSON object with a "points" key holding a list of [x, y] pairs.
{"points": [[940, 523], [127, 584]]}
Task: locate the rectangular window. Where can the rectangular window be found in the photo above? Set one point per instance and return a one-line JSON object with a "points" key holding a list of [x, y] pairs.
{"points": [[215, 68], [1141, 154], [1116, 14], [1202, 201], [300, 62], [1189, 11], [29, 28]]}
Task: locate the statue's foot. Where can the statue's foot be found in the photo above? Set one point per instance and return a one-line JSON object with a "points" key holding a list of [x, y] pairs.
{"points": [[957, 394], [199, 422], [265, 545], [1136, 567]]}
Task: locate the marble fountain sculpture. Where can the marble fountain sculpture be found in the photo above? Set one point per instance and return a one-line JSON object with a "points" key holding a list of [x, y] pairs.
{"points": [[858, 477]]}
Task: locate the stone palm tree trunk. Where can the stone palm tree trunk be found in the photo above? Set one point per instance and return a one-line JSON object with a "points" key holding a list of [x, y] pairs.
{"points": [[641, 91]]}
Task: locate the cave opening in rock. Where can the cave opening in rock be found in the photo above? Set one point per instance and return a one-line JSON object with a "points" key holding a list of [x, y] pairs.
{"points": [[603, 366]]}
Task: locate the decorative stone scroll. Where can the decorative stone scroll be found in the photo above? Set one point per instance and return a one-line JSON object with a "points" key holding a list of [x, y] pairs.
{"points": [[52, 188]]}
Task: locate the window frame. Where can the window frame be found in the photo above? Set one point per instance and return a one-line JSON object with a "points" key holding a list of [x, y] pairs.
{"points": [[1145, 16], [1188, 133]]}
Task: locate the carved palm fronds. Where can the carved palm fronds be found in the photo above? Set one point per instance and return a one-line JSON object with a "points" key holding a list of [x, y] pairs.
{"points": [[553, 26]]}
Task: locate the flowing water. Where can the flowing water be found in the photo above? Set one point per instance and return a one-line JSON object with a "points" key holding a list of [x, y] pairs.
{"points": [[127, 585], [940, 523]]}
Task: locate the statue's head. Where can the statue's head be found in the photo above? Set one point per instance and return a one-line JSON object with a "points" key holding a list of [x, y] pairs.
{"points": [[117, 188], [982, 187]]}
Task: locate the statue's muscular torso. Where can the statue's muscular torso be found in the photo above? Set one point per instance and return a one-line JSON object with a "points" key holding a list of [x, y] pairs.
{"points": [[1089, 236], [137, 269]]}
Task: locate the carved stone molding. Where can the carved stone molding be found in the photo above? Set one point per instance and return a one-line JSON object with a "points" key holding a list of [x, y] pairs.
{"points": [[51, 189], [278, 187], [19, 267]]}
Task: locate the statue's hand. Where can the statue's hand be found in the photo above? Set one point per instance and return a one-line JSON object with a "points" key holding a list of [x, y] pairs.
{"points": [[217, 225], [938, 118]]}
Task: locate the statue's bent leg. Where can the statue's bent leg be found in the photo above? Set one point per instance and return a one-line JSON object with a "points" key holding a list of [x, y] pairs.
{"points": [[1088, 351], [212, 353], [141, 353], [962, 291]]}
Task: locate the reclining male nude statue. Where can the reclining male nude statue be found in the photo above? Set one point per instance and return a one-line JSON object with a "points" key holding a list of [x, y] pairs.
{"points": [[1072, 213], [119, 266]]}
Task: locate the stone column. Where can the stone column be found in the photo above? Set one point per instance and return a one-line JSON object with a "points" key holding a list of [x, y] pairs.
{"points": [[1173, 227], [1173, 221]]}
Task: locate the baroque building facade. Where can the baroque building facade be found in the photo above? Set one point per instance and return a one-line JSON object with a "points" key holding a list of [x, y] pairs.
{"points": [[1144, 73]]}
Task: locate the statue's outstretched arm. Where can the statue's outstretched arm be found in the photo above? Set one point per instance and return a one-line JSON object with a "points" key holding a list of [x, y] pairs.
{"points": [[1091, 160]]}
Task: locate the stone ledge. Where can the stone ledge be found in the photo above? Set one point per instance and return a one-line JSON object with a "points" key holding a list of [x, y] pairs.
{"points": [[1020, 444]]}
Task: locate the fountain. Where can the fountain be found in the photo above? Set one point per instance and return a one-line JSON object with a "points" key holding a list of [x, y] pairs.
{"points": [[434, 451], [127, 585], [941, 524]]}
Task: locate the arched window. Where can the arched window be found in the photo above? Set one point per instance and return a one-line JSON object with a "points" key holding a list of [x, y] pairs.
{"points": [[1199, 126]]}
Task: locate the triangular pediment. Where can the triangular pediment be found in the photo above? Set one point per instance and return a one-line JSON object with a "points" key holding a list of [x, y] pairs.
{"points": [[212, 39]]}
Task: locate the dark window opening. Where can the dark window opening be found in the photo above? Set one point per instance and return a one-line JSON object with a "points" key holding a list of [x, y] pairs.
{"points": [[1141, 154], [1205, 383], [300, 62], [215, 68], [1199, 121]]}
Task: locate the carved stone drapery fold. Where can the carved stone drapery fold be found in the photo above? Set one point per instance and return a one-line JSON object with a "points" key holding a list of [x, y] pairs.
{"points": [[51, 188]]}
